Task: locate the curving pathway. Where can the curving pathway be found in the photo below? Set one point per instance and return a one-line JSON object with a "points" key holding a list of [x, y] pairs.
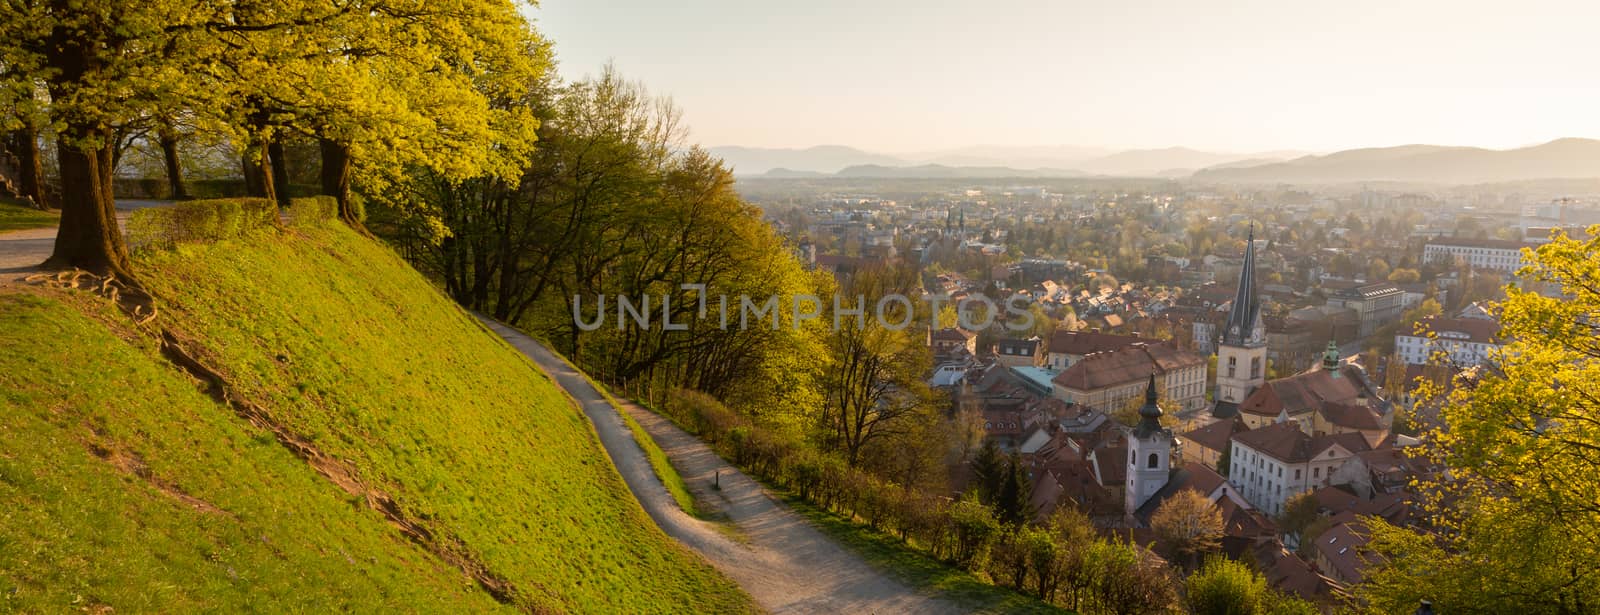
{"points": [[21, 252], [780, 560]]}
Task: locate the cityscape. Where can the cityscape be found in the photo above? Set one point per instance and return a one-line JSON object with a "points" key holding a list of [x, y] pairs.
{"points": [[461, 306]]}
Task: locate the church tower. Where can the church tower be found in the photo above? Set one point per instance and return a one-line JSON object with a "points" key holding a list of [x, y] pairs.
{"points": [[1242, 354], [1149, 453]]}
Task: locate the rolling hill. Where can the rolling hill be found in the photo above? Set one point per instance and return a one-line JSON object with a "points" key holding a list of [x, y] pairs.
{"points": [[939, 171], [1432, 164], [399, 457], [819, 159]]}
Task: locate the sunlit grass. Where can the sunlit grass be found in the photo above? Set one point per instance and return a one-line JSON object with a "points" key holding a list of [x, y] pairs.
{"points": [[14, 216], [349, 348]]}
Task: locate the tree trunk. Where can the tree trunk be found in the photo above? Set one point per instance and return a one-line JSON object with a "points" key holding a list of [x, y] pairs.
{"points": [[280, 171], [168, 139], [30, 183], [257, 178], [88, 238], [336, 179]]}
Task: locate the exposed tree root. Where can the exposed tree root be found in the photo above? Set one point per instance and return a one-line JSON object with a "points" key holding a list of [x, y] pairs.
{"points": [[445, 546]]}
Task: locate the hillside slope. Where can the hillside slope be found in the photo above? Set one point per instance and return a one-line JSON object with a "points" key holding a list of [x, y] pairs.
{"points": [[148, 495], [1562, 158]]}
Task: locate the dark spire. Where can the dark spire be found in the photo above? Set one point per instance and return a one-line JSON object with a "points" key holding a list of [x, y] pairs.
{"points": [[1150, 413], [1246, 310]]}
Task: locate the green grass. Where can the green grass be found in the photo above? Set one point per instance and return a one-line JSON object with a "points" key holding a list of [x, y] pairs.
{"points": [[14, 216], [348, 347], [916, 568], [213, 516], [658, 458]]}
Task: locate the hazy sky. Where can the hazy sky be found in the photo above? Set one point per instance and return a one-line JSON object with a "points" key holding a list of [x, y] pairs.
{"points": [[1232, 75]]}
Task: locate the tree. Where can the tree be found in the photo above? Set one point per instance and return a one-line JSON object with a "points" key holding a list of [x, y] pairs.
{"points": [[988, 471], [1127, 580], [1188, 524], [1224, 460], [974, 528], [1518, 514], [1299, 513], [1013, 502], [1405, 276], [1225, 587]]}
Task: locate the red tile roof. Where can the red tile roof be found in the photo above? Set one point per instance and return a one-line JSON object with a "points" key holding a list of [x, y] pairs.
{"points": [[1131, 363], [1285, 442], [1216, 435], [1305, 392], [1088, 342]]}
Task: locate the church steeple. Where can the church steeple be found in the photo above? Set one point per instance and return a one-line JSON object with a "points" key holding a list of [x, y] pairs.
{"points": [[1245, 316], [1242, 355], [1150, 413]]}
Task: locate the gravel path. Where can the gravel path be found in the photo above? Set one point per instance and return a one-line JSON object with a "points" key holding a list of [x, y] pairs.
{"points": [[779, 559], [21, 252]]}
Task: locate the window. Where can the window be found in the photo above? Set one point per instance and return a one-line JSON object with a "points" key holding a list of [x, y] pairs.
{"points": [[1297, 473], [1316, 472], [1152, 463], [1255, 367]]}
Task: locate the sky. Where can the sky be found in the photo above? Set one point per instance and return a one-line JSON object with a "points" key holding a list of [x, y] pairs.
{"points": [[900, 76]]}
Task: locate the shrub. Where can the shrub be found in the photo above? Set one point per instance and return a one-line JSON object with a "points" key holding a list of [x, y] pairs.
{"points": [[199, 221], [312, 210], [974, 528]]}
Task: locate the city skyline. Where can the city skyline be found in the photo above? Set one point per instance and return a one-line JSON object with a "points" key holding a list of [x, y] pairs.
{"points": [[1244, 77]]}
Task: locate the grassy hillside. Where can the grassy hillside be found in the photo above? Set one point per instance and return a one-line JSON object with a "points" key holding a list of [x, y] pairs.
{"points": [[346, 347]]}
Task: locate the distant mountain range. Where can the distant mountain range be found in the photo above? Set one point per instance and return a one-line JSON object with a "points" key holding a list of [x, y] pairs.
{"points": [[1432, 164], [1427, 164], [979, 161]]}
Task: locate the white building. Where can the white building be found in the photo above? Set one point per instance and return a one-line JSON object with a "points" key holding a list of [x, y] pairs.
{"points": [[1464, 342], [1271, 464], [1492, 254]]}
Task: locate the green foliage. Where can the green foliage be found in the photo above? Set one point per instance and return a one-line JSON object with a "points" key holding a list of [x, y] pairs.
{"points": [[15, 217], [1518, 516], [988, 471], [1225, 587], [200, 221], [345, 344], [313, 210]]}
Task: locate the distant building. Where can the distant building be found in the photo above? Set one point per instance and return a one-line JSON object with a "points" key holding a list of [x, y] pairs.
{"points": [[947, 340], [1279, 461], [1110, 380], [1020, 353], [1375, 304], [1494, 254], [1069, 347], [1334, 397], [1465, 342]]}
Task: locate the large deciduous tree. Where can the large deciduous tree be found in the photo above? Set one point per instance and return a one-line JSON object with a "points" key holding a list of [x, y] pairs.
{"points": [[1516, 520]]}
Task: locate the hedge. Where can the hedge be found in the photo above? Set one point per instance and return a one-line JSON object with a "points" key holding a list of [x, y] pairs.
{"points": [[199, 221], [312, 210]]}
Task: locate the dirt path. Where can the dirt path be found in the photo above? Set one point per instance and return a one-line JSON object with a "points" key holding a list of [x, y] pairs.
{"points": [[21, 252], [783, 562]]}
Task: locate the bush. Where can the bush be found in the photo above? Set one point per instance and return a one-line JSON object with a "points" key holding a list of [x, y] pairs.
{"points": [[199, 221], [312, 210]]}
